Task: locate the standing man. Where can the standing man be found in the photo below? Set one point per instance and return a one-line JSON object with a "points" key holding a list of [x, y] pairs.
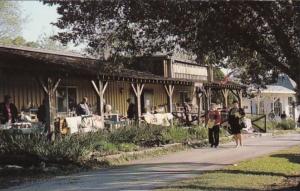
{"points": [[131, 111], [213, 122], [83, 108], [235, 121], [8, 111], [41, 114], [187, 111]]}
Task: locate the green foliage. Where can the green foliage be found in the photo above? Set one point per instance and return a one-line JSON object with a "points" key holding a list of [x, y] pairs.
{"points": [[176, 135], [157, 135], [143, 135], [198, 132], [286, 124], [256, 174], [271, 125], [127, 147], [75, 148], [17, 41], [259, 38], [218, 74], [68, 149], [44, 42], [10, 19]]}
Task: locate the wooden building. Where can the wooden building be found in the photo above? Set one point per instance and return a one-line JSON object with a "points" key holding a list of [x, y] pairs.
{"points": [[30, 75]]}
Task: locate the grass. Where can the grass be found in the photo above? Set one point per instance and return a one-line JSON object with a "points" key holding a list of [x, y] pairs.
{"points": [[270, 172], [277, 132]]}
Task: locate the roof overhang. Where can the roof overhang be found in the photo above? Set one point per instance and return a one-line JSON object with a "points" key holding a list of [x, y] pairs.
{"points": [[44, 62]]}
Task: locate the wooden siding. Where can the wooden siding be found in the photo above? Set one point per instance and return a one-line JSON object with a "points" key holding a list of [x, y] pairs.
{"points": [[25, 91], [116, 95], [159, 94], [189, 71]]}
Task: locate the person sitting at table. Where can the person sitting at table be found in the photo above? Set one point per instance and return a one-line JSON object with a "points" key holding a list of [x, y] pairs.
{"points": [[8, 111], [83, 108], [108, 111], [154, 110]]}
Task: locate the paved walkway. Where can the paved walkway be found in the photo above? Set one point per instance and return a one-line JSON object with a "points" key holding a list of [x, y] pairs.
{"points": [[148, 174]]}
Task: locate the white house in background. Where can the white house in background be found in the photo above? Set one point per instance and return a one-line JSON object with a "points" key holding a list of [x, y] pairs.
{"points": [[277, 98]]}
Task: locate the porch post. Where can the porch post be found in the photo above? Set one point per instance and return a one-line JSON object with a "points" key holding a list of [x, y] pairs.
{"points": [[208, 98], [199, 101], [100, 90], [258, 106], [239, 95], [138, 89], [169, 90], [49, 89], [225, 96], [206, 94]]}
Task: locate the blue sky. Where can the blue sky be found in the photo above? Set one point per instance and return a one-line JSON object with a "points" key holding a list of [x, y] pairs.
{"points": [[39, 17]]}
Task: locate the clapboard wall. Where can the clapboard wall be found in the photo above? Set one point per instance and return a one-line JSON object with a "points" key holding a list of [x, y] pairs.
{"points": [[26, 91]]}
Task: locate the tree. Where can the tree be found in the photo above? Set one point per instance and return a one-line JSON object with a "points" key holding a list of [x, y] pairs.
{"points": [[261, 38], [46, 42], [43, 42], [10, 19], [18, 41]]}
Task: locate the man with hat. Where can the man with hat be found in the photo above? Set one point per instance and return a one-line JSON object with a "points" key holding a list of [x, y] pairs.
{"points": [[8, 111]]}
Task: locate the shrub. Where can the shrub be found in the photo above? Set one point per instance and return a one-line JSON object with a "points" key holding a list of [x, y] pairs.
{"points": [[68, 149], [199, 132], [286, 124], [271, 125], [77, 148], [176, 135], [149, 136], [127, 147], [143, 135], [122, 135]]}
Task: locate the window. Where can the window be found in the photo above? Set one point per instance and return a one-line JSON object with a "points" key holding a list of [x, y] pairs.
{"points": [[66, 99], [261, 107], [291, 111], [147, 100], [291, 106], [183, 96], [290, 100], [277, 107]]}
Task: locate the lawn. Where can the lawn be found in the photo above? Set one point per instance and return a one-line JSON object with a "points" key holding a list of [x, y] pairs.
{"points": [[277, 171]]}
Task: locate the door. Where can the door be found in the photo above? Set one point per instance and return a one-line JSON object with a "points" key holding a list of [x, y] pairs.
{"points": [[66, 99], [147, 100]]}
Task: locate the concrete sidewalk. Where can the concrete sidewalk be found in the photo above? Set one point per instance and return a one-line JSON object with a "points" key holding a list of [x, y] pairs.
{"points": [[152, 173]]}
